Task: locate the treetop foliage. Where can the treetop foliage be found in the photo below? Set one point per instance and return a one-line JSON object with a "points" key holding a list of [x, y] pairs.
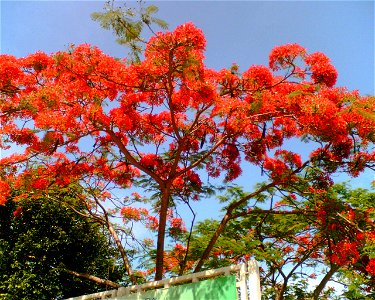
{"points": [[127, 24]]}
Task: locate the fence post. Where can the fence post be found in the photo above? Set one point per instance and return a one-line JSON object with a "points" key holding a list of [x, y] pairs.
{"points": [[254, 280], [243, 283]]}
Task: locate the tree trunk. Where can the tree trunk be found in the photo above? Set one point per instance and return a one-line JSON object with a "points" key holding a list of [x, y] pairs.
{"points": [[318, 290], [161, 233], [212, 242], [280, 293]]}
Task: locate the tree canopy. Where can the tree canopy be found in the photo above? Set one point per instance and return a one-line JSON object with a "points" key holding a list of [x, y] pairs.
{"points": [[167, 123], [46, 250], [295, 248]]}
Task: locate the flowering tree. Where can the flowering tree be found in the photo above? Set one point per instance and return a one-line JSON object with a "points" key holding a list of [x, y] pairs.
{"points": [[295, 247], [169, 121]]}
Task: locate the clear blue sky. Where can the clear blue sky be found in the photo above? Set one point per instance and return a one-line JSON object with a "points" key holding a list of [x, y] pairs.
{"points": [[242, 32]]}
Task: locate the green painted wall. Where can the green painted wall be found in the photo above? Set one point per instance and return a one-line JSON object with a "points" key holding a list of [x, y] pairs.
{"points": [[221, 288]]}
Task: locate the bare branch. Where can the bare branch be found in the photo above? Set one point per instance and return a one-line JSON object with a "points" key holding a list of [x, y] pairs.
{"points": [[93, 278]]}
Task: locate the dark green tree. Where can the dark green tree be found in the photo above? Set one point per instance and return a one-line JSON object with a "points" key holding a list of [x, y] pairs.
{"points": [[47, 251]]}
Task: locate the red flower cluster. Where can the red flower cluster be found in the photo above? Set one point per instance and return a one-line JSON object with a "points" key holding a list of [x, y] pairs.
{"points": [[371, 266], [40, 183], [133, 214], [283, 56], [177, 226], [152, 223], [151, 161], [345, 252], [321, 68], [4, 192], [257, 77]]}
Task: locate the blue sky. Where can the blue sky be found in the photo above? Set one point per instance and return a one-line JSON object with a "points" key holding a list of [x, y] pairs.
{"points": [[243, 32]]}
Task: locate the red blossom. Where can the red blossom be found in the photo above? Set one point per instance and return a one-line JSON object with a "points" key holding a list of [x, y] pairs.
{"points": [[321, 68], [177, 226], [132, 213], [151, 161], [152, 223], [194, 179], [345, 252], [283, 56], [178, 183], [40, 183], [287, 249], [257, 77], [4, 192], [371, 267], [17, 212]]}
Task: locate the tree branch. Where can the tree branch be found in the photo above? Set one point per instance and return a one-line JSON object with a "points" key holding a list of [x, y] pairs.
{"points": [[120, 247], [228, 216], [130, 158], [274, 212], [93, 278], [318, 290]]}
